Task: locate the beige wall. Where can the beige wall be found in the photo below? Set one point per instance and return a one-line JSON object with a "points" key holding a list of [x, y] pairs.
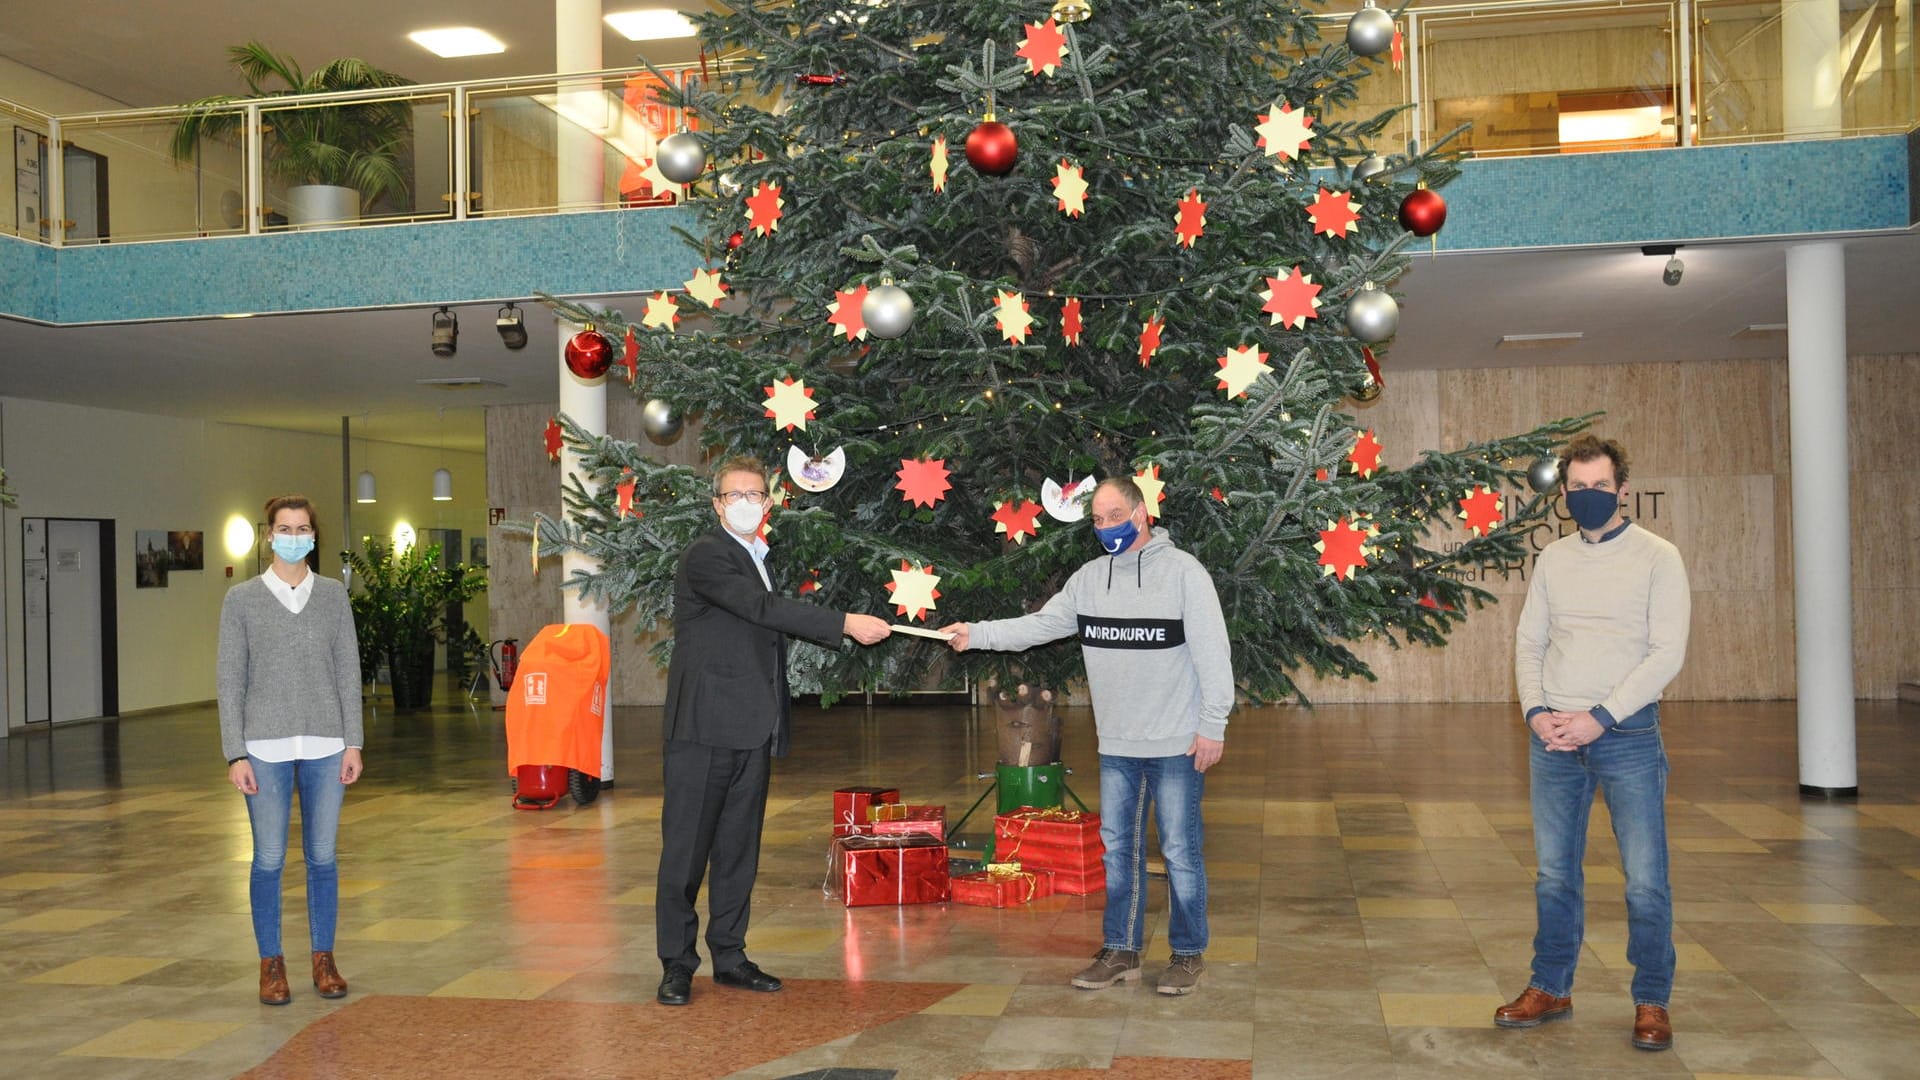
{"points": [[1708, 445], [159, 472]]}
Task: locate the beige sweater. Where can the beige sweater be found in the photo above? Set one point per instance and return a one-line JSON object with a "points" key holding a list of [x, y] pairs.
{"points": [[1605, 625]]}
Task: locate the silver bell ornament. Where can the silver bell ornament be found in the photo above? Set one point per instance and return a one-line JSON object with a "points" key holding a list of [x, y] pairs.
{"points": [[1372, 315], [888, 311], [659, 420], [682, 157], [1369, 167], [1370, 31], [1544, 474]]}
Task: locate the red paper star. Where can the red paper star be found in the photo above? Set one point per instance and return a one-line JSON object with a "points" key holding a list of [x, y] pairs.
{"points": [[630, 357], [1333, 213], [1365, 454], [1150, 339], [1373, 366], [1480, 510], [1018, 521], [1322, 475], [1219, 496], [1343, 549], [1070, 320], [1432, 601], [846, 314], [1192, 220], [812, 584], [553, 439], [1291, 300], [923, 483], [763, 208], [1044, 48], [623, 491]]}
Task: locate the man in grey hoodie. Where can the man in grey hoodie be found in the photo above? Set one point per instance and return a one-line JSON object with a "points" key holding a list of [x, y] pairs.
{"points": [[1160, 670]]}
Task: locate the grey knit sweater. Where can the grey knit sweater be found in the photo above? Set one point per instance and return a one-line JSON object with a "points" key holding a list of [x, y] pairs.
{"points": [[283, 674]]}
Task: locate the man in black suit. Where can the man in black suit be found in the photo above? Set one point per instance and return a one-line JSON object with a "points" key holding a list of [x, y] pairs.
{"points": [[726, 715]]}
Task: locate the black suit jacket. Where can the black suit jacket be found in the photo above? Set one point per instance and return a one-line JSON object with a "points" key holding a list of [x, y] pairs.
{"points": [[727, 681]]}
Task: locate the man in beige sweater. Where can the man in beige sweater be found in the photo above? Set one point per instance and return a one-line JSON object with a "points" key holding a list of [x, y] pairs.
{"points": [[1603, 632]]}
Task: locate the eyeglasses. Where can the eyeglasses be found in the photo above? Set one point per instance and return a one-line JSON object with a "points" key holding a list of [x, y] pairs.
{"points": [[285, 530], [754, 497]]}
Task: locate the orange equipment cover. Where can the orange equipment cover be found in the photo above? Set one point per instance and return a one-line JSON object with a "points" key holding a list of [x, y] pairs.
{"points": [[555, 709]]}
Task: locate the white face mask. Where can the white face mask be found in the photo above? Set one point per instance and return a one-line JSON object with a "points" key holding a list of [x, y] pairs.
{"points": [[744, 517]]}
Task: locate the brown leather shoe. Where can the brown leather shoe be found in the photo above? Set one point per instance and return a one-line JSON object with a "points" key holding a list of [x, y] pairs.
{"points": [[1651, 1028], [326, 977], [1532, 1008], [273, 981]]}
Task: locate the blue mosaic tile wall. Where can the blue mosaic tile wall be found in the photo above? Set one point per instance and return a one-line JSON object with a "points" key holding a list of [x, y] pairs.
{"points": [[27, 280], [1767, 189]]}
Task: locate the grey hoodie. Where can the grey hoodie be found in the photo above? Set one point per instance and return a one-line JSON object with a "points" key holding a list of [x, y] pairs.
{"points": [[1158, 661]]}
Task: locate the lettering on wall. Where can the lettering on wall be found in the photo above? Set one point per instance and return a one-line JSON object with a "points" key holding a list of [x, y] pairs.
{"points": [[1644, 507]]}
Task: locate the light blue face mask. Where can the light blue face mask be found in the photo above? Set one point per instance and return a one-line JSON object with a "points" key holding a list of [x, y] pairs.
{"points": [[292, 549]]}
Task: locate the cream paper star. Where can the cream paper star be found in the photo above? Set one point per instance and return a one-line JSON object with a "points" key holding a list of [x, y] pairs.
{"points": [[1011, 314], [659, 182], [662, 312], [1070, 187], [1240, 368], [1284, 130], [706, 287], [939, 165], [1150, 484], [789, 402], [914, 590]]}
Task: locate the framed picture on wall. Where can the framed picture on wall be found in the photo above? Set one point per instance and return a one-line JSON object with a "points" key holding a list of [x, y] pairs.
{"points": [[150, 559], [186, 550], [477, 551]]}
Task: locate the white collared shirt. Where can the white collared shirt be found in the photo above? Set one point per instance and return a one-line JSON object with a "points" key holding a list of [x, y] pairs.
{"points": [[757, 548]]}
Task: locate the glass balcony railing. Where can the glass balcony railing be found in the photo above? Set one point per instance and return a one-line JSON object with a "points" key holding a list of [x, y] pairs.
{"points": [[1521, 77]]}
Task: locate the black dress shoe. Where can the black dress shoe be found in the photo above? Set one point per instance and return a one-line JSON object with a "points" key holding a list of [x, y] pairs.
{"points": [[747, 976], [676, 986]]}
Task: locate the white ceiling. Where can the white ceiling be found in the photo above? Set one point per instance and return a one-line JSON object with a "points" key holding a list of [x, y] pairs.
{"points": [[304, 372]]}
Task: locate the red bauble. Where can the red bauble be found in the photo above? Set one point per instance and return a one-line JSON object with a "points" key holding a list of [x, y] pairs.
{"points": [[992, 149], [1423, 212], [589, 354], [734, 241]]}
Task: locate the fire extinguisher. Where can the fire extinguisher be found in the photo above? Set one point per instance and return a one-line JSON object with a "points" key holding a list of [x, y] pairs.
{"points": [[504, 656]]}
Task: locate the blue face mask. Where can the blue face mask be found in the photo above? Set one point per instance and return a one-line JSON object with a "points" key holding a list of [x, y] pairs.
{"points": [[1592, 507], [1117, 538], [292, 548]]}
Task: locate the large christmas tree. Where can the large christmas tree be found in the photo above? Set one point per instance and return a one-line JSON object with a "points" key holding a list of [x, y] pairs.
{"points": [[1170, 276]]}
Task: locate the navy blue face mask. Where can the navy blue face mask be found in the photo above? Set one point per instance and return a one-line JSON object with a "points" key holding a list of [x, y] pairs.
{"points": [[1117, 538], [1592, 507]]}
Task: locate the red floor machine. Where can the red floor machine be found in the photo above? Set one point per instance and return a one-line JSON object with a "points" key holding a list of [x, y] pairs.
{"points": [[555, 713]]}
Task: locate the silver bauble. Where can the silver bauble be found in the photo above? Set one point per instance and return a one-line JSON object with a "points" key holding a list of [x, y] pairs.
{"points": [[1370, 31], [682, 157], [659, 420], [1369, 167], [1372, 315], [888, 311], [1544, 474]]}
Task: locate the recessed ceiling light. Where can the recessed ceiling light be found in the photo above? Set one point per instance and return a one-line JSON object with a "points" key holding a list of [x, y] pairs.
{"points": [[1760, 332], [453, 41], [1538, 341], [650, 24]]}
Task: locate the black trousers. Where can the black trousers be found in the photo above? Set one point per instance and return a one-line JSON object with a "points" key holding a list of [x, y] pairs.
{"points": [[714, 802]]}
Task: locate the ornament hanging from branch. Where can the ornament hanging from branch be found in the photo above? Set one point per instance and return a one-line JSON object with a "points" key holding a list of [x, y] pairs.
{"points": [[1070, 188], [553, 439], [888, 311], [838, 78], [763, 208], [630, 355], [681, 157], [1191, 221], [1370, 31], [1365, 455], [707, 287], [1152, 488], [1070, 325], [1544, 474], [1334, 213], [1480, 510], [1423, 212], [1284, 131], [1010, 315], [1343, 546], [623, 496], [1372, 315], [659, 421], [1291, 300], [1017, 520], [845, 313], [1240, 368], [992, 147], [914, 589], [816, 474], [1067, 503], [589, 354], [1044, 48], [662, 312], [1150, 339], [790, 403], [923, 482], [938, 165]]}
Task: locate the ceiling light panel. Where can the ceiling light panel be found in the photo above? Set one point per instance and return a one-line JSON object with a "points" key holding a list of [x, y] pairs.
{"points": [[650, 24], [449, 42]]}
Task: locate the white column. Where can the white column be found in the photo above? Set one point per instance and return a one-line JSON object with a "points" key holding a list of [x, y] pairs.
{"points": [[577, 31], [1810, 68], [1822, 530]]}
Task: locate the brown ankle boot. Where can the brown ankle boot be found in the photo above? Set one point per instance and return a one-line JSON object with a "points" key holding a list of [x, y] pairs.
{"points": [[273, 981], [326, 977]]}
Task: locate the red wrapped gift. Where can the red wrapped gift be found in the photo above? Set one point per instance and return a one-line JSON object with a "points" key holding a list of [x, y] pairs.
{"points": [[873, 870], [1079, 882], [1052, 839], [850, 805], [1002, 885], [899, 819]]}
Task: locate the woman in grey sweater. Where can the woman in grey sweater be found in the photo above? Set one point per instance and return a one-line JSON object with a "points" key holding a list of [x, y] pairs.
{"points": [[289, 681]]}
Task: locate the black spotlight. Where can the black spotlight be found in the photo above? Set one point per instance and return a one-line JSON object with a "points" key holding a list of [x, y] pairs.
{"points": [[513, 332], [446, 333]]}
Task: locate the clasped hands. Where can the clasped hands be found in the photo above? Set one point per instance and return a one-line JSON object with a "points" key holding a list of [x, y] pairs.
{"points": [[1566, 730]]}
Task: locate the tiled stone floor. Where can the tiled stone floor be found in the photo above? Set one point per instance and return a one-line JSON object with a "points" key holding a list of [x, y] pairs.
{"points": [[1371, 904]]}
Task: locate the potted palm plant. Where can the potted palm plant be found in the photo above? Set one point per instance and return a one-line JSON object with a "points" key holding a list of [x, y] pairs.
{"points": [[337, 158], [400, 613]]}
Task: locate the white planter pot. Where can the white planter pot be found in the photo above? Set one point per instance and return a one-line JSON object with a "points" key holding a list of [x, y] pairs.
{"points": [[322, 206]]}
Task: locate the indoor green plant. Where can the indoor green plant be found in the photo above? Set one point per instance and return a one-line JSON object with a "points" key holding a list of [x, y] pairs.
{"points": [[400, 612], [357, 147]]}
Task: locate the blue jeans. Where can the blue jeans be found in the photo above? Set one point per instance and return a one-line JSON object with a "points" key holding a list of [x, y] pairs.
{"points": [[1629, 765], [321, 794], [1173, 786]]}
